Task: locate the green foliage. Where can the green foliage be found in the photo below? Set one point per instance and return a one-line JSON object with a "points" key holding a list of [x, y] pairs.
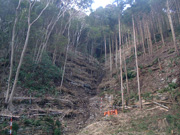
{"points": [[172, 50], [150, 133], [143, 126], [2, 126], [140, 125], [174, 122], [130, 74], [155, 61], [147, 96], [150, 70], [15, 127], [139, 53], [49, 120], [130, 59], [27, 122], [170, 87], [134, 96], [47, 123], [40, 76], [57, 131], [58, 123], [173, 85]]}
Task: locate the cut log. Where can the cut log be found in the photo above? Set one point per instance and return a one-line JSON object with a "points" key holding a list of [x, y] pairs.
{"points": [[48, 110], [161, 105], [40, 99], [153, 108], [8, 115]]}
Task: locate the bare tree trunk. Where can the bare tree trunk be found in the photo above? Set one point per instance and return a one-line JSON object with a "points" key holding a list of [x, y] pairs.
{"points": [[54, 55], [129, 39], [116, 52], [172, 27], [120, 58], [47, 35], [138, 81], [79, 35], [113, 50], [12, 51], [150, 41], [110, 57], [67, 49], [24, 48], [178, 10], [105, 50], [160, 28], [92, 48], [155, 41], [142, 37], [125, 68]]}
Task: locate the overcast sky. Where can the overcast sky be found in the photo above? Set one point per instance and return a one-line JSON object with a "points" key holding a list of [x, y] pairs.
{"points": [[103, 3]]}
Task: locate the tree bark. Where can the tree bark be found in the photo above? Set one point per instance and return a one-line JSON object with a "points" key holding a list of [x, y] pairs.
{"points": [[120, 58], [150, 40], [24, 48], [161, 32], [105, 50], [67, 49], [125, 68], [116, 52], [49, 30], [172, 27], [138, 81], [110, 56], [12, 51], [142, 37]]}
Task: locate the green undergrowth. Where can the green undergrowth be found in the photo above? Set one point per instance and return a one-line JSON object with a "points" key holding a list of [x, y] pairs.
{"points": [[130, 75], [174, 122], [4, 127], [39, 77], [170, 88], [47, 124]]}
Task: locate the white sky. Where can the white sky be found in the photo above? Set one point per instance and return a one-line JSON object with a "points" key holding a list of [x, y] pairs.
{"points": [[103, 3]]}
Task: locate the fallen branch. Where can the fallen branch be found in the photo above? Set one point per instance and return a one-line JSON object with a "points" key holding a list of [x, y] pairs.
{"points": [[48, 110], [163, 106], [40, 99], [165, 102], [7, 115], [153, 108]]}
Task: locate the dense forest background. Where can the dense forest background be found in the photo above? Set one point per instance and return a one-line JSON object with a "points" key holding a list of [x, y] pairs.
{"points": [[37, 35]]}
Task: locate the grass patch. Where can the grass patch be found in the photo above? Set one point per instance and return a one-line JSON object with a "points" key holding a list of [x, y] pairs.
{"points": [[147, 96], [170, 88]]}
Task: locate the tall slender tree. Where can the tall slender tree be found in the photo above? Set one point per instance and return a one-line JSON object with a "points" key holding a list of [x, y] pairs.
{"points": [[172, 26], [12, 50], [137, 69], [30, 23]]}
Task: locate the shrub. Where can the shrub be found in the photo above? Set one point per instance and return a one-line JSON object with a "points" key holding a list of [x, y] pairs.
{"points": [[39, 76], [173, 85], [130, 74], [174, 122], [147, 96], [57, 131], [15, 127]]}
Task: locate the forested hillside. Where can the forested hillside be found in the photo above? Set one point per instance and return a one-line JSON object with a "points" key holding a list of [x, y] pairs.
{"points": [[61, 69]]}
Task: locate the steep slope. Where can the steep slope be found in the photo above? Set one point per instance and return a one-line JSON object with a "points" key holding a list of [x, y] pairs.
{"points": [[160, 81], [71, 107]]}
